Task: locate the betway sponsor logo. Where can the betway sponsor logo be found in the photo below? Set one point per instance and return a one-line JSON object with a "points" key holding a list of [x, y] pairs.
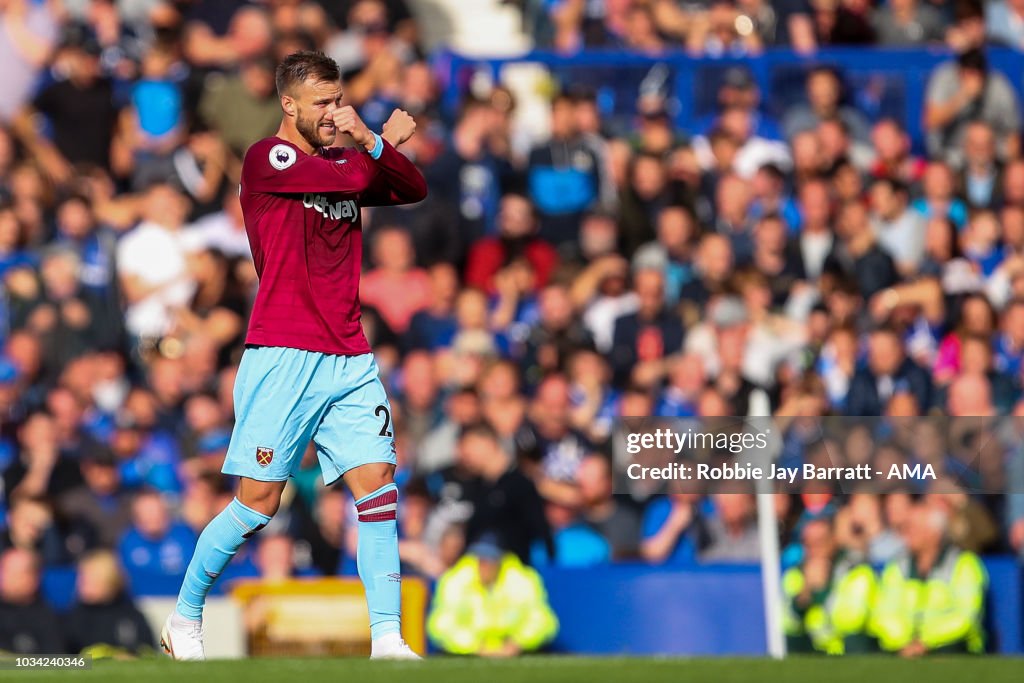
{"points": [[344, 210]]}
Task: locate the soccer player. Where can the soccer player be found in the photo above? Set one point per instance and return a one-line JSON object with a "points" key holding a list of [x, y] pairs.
{"points": [[307, 371]]}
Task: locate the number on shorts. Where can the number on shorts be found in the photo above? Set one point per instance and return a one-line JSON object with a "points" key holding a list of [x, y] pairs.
{"points": [[385, 430]]}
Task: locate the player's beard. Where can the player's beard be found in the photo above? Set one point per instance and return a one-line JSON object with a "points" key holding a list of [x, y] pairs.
{"points": [[311, 132]]}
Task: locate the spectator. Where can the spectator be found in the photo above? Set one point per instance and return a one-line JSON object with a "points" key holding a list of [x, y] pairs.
{"points": [[887, 372], [852, 24], [939, 199], [66, 316], [603, 512], [323, 530], [555, 335], [965, 91], [949, 583], [437, 448], [893, 156], [490, 604], [907, 22], [467, 174], [433, 224], [28, 625], [859, 258], [226, 34], [866, 526], [100, 503], [395, 287], [732, 530], [732, 216], [828, 597], [506, 501], [242, 107], [516, 239], [420, 548], [156, 549], [103, 615], [643, 340], [78, 229], [980, 181], [816, 238], [900, 231], [31, 526], [433, 327], [671, 530], [1003, 23], [717, 34], [40, 469], [84, 100], [564, 177], [553, 444], [577, 545], [672, 251], [151, 265], [418, 392], [824, 101], [768, 188], [1012, 193], [779, 258], [29, 31], [155, 122], [275, 559], [648, 191], [686, 379]]}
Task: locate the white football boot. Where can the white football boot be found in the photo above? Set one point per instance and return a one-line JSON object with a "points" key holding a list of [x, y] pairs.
{"points": [[182, 638], [391, 646]]}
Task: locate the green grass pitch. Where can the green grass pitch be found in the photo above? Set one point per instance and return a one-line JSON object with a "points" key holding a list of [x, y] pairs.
{"points": [[546, 669]]}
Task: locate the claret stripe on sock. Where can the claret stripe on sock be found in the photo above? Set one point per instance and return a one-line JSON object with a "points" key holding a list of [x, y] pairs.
{"points": [[379, 508]]}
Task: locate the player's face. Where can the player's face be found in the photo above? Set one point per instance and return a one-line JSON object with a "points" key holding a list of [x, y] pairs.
{"points": [[315, 105]]}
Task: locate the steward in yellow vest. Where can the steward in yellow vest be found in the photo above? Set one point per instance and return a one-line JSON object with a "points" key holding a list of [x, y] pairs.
{"points": [[490, 604], [827, 597], [931, 599]]}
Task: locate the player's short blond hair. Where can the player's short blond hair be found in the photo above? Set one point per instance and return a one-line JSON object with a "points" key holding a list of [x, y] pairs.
{"points": [[298, 67]]}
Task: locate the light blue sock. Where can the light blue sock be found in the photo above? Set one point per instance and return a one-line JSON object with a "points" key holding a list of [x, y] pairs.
{"points": [[218, 543], [377, 560]]}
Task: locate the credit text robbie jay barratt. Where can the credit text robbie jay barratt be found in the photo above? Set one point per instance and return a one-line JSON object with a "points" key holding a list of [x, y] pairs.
{"points": [[743, 471]]}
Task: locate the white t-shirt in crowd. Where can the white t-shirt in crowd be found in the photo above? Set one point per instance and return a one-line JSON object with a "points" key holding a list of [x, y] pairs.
{"points": [[156, 255]]}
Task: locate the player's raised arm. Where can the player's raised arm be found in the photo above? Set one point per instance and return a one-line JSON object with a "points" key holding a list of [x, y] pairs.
{"points": [[399, 181]]}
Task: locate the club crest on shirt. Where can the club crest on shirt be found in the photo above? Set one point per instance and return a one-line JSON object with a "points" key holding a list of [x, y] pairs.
{"points": [[264, 456], [281, 157]]}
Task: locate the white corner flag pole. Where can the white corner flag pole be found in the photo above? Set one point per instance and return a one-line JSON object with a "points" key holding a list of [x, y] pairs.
{"points": [[767, 528], [771, 577]]}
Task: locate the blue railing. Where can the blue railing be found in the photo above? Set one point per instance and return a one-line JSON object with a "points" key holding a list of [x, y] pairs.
{"points": [[879, 82], [713, 610], [642, 610]]}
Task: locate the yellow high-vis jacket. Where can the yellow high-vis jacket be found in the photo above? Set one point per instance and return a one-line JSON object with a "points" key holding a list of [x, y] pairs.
{"points": [[837, 612], [941, 610], [468, 618]]}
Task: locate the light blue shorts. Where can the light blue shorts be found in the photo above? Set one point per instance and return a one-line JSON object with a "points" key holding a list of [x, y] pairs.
{"points": [[286, 397]]}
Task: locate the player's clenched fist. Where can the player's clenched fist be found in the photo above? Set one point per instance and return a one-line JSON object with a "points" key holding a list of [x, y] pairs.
{"points": [[400, 127], [346, 120]]}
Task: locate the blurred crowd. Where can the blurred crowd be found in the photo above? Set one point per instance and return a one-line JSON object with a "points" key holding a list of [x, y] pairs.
{"points": [[550, 283], [748, 27]]}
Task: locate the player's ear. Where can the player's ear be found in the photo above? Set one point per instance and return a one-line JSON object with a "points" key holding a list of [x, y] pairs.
{"points": [[288, 105]]}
